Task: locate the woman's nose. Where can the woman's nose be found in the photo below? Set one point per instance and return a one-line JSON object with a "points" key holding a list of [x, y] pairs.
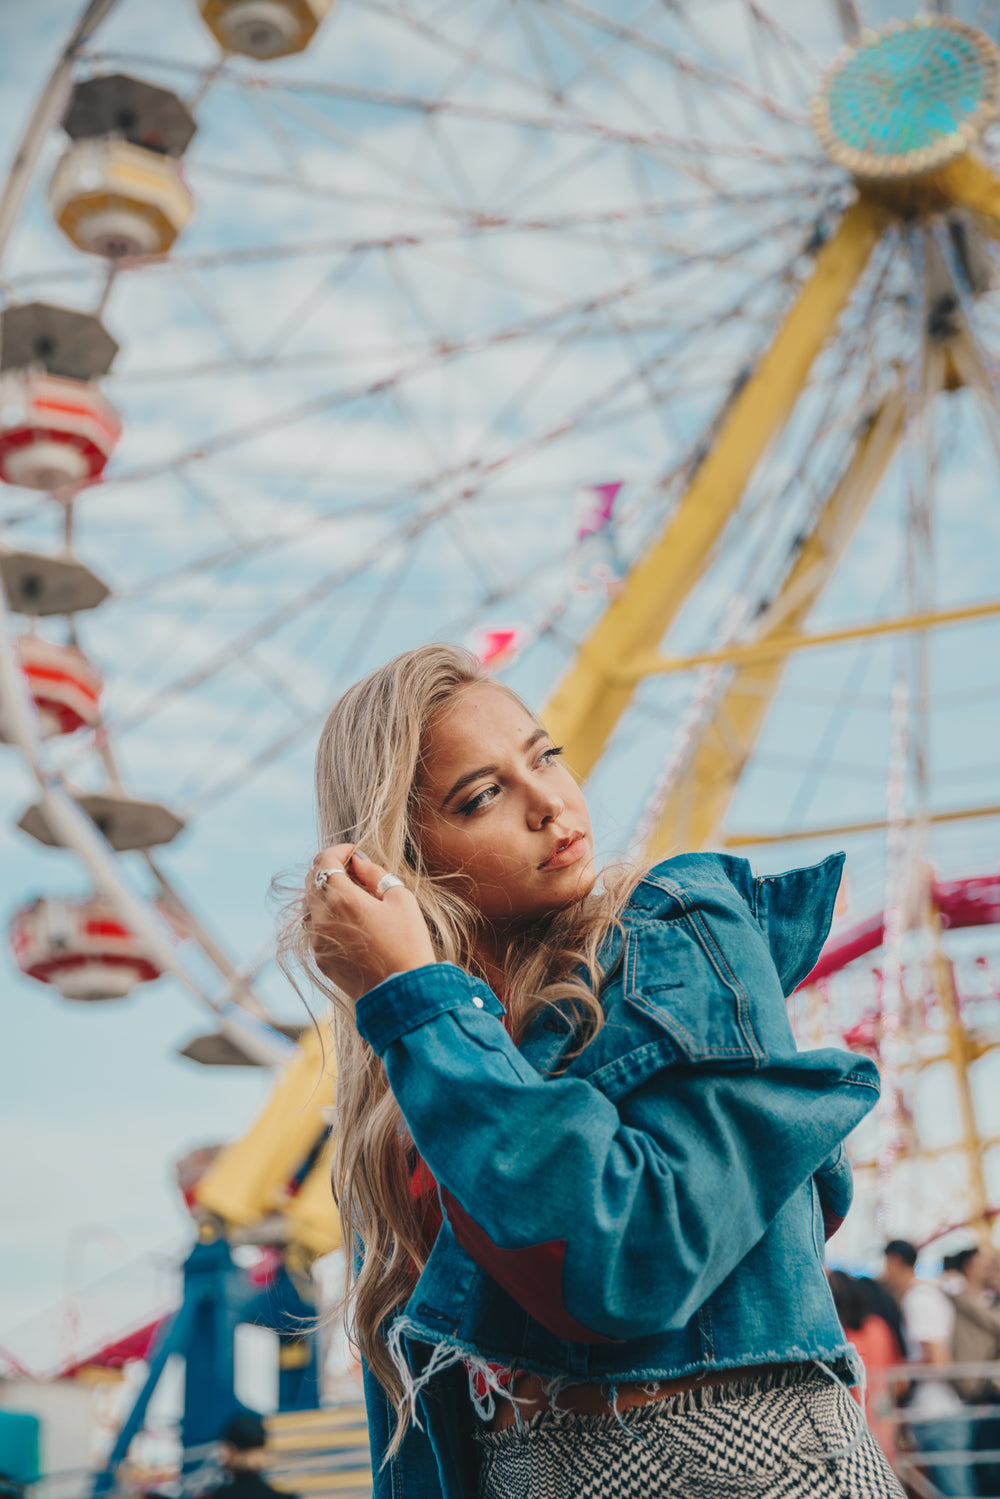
{"points": [[544, 807]]}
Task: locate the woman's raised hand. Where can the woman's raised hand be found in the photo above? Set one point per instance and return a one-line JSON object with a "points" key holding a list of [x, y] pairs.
{"points": [[360, 937]]}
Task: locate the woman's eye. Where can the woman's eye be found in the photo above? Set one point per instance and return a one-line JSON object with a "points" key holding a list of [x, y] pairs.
{"points": [[483, 798], [552, 753]]}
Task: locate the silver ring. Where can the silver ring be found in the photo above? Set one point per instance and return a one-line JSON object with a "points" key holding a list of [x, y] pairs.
{"points": [[322, 875], [386, 883]]}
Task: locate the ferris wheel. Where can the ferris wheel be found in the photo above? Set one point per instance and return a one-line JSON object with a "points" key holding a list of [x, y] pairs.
{"points": [[578, 332]]}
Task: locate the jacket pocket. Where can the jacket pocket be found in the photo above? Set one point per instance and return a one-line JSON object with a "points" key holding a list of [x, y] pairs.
{"points": [[677, 976]]}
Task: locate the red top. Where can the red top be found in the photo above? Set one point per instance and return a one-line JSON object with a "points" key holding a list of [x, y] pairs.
{"points": [[424, 1191]]}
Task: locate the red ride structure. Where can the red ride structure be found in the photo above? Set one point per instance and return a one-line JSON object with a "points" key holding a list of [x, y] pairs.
{"points": [[55, 434], [65, 687], [80, 947], [937, 1025], [959, 903]]}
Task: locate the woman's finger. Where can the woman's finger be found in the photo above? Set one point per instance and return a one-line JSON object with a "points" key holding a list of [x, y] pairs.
{"points": [[337, 856], [373, 875], [367, 872], [333, 867]]}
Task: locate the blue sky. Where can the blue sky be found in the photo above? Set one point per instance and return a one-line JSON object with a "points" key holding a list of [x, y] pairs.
{"points": [[391, 349]]}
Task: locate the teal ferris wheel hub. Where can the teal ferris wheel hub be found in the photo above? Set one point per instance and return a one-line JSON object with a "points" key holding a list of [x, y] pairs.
{"points": [[908, 98]]}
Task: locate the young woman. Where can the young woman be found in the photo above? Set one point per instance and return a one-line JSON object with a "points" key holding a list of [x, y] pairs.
{"points": [[586, 1171]]}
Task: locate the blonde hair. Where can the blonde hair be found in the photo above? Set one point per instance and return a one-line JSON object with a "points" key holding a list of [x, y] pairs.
{"points": [[368, 789]]}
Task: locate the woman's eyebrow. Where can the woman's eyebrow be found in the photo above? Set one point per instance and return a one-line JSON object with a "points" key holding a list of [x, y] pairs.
{"points": [[490, 770], [466, 780]]}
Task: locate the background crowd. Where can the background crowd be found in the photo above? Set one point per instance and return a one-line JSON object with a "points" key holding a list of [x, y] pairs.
{"points": [[944, 1413]]}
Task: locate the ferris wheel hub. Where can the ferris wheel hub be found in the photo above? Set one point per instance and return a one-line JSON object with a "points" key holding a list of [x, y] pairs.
{"points": [[908, 98]]}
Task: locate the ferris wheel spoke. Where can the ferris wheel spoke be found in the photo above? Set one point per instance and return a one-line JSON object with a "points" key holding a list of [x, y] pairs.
{"points": [[524, 17], [601, 66], [320, 192], [391, 174], [469, 56], [263, 107], [722, 83], [567, 119], [782, 37], [475, 227], [239, 778], [268, 541], [655, 141], [470, 60], [361, 638], [988, 14], [550, 318], [849, 17], [312, 597], [209, 309], [332, 281], [288, 739]]}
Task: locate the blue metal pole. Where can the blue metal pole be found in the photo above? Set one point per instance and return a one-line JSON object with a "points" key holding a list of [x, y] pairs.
{"points": [[171, 1339]]}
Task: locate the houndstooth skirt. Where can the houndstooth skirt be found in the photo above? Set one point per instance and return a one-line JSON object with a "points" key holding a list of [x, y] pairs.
{"points": [[797, 1435]]}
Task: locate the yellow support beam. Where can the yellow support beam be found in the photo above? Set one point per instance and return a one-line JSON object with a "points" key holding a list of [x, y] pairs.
{"points": [[328, 1417], [969, 183], [594, 693], [749, 653], [848, 829], [959, 1054], [311, 1216], [246, 1180], [352, 1483], [697, 803]]}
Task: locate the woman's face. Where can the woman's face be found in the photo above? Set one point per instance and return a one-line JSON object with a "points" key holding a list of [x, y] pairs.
{"points": [[499, 807]]}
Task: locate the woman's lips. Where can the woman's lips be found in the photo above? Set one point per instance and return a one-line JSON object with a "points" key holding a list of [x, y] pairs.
{"points": [[569, 854]]}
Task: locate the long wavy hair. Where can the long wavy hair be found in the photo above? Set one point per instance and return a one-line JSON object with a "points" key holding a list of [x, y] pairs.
{"points": [[368, 788]]}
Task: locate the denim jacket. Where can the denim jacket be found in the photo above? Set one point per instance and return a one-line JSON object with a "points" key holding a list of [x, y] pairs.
{"points": [[654, 1209]]}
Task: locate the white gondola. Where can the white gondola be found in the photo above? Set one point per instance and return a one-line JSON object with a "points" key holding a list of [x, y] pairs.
{"points": [[65, 687], [55, 434], [80, 947], [264, 28], [119, 190], [115, 199]]}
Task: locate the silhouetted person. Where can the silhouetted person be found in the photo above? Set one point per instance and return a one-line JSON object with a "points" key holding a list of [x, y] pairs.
{"points": [[936, 1416], [976, 1340], [872, 1322], [243, 1454]]}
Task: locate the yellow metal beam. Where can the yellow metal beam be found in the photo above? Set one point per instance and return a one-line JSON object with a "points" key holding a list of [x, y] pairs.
{"points": [[970, 183], [847, 829], [696, 804], [311, 1216], [959, 1054], [244, 1182], [749, 653], [930, 1152], [592, 696]]}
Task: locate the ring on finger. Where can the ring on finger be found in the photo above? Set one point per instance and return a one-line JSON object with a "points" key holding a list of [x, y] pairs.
{"points": [[322, 875], [386, 883]]}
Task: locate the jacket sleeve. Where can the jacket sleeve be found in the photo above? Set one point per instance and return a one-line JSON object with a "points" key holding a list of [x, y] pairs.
{"points": [[835, 1184], [600, 1229]]}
